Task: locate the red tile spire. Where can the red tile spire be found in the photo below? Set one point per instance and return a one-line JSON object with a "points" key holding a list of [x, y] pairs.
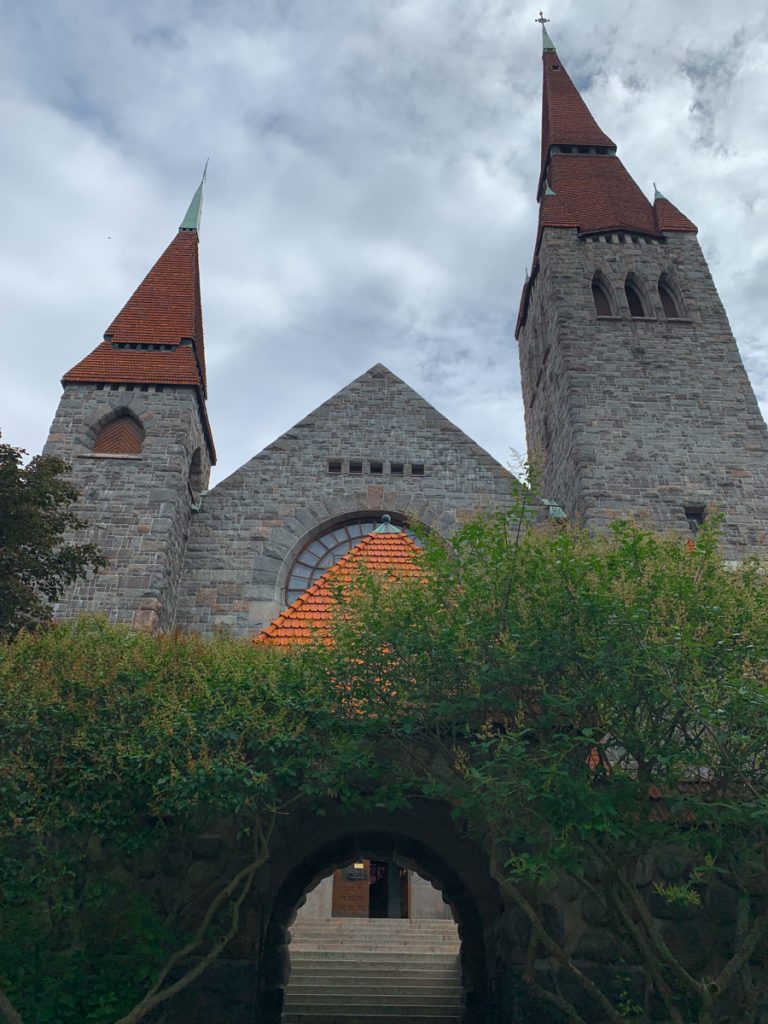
{"points": [[583, 184], [157, 337]]}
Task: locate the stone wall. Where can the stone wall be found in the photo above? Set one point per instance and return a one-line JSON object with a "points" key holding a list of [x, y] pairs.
{"points": [[641, 416], [138, 507], [251, 527]]}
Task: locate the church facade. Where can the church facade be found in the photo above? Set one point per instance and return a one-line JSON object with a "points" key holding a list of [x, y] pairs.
{"points": [[636, 401]]}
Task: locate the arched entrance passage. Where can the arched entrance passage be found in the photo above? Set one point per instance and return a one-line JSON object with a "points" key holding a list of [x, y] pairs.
{"points": [[423, 839]]}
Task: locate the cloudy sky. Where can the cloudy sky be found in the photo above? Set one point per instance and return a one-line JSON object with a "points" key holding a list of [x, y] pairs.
{"points": [[370, 195]]}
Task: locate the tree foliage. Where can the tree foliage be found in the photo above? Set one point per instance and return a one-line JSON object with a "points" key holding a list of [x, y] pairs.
{"points": [[584, 704], [118, 752], [36, 561]]}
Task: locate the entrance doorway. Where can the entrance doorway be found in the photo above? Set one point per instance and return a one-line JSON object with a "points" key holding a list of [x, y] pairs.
{"points": [[371, 888]]}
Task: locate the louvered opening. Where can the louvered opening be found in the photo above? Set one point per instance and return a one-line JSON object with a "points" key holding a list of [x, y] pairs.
{"points": [[121, 436]]}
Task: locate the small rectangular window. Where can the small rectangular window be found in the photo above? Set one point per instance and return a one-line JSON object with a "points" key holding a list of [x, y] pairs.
{"points": [[417, 469], [695, 516], [114, 387], [377, 467], [144, 387], [334, 465], [396, 468], [99, 387], [159, 387], [355, 466]]}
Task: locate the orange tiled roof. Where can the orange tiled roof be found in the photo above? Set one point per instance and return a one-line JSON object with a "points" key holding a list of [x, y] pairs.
{"points": [[669, 218], [310, 615], [164, 310]]}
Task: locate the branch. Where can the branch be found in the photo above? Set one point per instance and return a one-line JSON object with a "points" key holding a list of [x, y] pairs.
{"points": [[157, 995], [721, 983], [550, 945], [7, 1010]]}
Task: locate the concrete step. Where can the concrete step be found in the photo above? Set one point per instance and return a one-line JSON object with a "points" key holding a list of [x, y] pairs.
{"points": [[363, 971], [373, 955], [405, 975], [440, 1017]]}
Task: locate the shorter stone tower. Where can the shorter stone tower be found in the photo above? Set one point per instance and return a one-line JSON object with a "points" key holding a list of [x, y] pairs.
{"points": [[635, 395], [132, 423]]}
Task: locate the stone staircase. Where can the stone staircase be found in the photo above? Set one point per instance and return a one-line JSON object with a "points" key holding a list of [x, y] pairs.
{"points": [[373, 971]]}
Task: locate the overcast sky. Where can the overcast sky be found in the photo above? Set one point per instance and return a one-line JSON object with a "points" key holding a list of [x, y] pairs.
{"points": [[371, 190]]}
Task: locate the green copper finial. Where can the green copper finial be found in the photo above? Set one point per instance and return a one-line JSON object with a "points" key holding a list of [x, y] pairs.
{"points": [[387, 526], [548, 190], [657, 194], [541, 20], [191, 220]]}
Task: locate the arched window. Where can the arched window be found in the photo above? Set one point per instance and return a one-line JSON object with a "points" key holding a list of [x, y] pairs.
{"points": [[601, 296], [669, 302], [634, 299], [123, 435], [328, 547]]}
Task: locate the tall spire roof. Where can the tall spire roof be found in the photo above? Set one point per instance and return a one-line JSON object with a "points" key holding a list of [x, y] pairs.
{"points": [[157, 337], [582, 183], [565, 118]]}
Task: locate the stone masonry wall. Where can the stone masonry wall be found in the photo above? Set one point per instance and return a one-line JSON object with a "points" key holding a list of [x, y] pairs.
{"points": [[138, 506], [641, 417], [251, 527]]}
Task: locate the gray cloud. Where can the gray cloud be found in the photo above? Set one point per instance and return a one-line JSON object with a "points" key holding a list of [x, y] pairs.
{"points": [[371, 188]]}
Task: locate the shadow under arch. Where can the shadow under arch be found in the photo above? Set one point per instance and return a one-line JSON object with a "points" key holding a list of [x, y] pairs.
{"points": [[463, 880]]}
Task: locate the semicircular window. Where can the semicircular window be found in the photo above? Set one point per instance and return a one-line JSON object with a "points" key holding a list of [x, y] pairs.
{"points": [[328, 547]]}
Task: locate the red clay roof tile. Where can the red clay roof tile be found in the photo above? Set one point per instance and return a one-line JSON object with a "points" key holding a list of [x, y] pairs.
{"points": [[164, 310], [310, 615]]}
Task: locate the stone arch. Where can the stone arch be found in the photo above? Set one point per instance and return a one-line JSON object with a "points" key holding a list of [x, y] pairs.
{"points": [[603, 296], [637, 296], [424, 840], [670, 297], [120, 432]]}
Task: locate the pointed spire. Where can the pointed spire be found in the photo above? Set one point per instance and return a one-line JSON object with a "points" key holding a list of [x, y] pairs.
{"points": [[157, 337], [191, 220], [546, 41], [656, 193]]}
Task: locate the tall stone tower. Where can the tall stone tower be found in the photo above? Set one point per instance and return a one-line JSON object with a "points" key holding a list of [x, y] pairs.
{"points": [[132, 423], [635, 395]]}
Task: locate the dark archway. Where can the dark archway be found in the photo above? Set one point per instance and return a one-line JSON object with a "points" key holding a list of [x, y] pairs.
{"points": [[424, 840]]}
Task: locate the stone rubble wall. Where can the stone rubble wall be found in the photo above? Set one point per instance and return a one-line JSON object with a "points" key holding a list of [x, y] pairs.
{"points": [[138, 507], [641, 417], [250, 528]]}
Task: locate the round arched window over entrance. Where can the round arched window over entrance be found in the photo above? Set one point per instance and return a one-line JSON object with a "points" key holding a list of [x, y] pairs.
{"points": [[328, 547]]}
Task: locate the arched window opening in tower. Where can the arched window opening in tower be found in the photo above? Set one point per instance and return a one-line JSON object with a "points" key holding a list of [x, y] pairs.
{"points": [[328, 547], [668, 301], [600, 298], [123, 435], [634, 301]]}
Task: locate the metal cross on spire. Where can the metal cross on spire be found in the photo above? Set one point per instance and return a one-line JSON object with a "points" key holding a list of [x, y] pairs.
{"points": [[541, 20]]}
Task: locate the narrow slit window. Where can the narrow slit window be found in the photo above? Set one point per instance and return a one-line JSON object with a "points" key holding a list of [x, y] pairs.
{"points": [[601, 300], [694, 514], [635, 303], [668, 303]]}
